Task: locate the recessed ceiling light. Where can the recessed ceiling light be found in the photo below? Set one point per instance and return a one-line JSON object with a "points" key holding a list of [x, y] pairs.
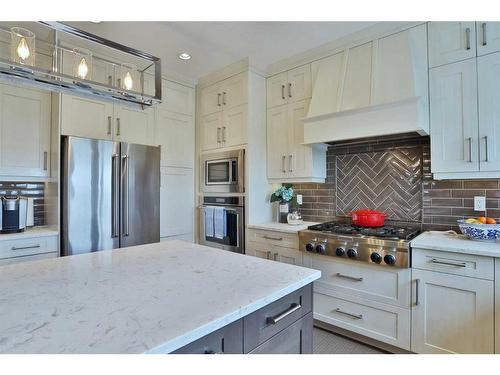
{"points": [[95, 21], [184, 56]]}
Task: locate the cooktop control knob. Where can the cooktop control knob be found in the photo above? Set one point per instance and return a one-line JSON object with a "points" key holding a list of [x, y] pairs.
{"points": [[390, 259], [310, 246], [340, 251], [352, 253], [376, 257], [321, 248]]}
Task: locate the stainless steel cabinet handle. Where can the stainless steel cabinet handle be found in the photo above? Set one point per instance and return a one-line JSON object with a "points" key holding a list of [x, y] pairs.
{"points": [[458, 264], [338, 274], [45, 160], [218, 99], [224, 98], [115, 197], [118, 126], [483, 26], [275, 256], [467, 38], [486, 148], [283, 169], [119, 82], [290, 163], [218, 135], [289, 90], [223, 134], [275, 319], [273, 238], [109, 125], [355, 316], [283, 92], [25, 247], [268, 254], [470, 149], [110, 80], [417, 287], [125, 187]]}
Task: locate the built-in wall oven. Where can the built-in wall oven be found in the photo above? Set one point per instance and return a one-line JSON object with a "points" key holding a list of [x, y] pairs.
{"points": [[222, 223], [223, 172]]}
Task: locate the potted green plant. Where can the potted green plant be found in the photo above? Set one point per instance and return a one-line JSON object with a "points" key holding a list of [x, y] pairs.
{"points": [[285, 196]]}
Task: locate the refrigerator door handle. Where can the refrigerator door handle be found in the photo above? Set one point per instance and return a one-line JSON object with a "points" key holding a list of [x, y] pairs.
{"points": [[125, 189], [115, 196]]}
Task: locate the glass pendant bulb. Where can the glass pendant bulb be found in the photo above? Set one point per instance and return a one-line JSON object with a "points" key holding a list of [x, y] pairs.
{"points": [[83, 69], [23, 50], [128, 81]]}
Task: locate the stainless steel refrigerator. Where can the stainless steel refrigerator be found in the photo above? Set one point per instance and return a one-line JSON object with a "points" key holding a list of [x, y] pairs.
{"points": [[110, 195]]}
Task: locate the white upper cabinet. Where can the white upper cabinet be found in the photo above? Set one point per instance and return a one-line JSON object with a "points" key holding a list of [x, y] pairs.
{"points": [[224, 113], [454, 118], [276, 90], [488, 70], [24, 131], [277, 142], [175, 133], [177, 98], [488, 37], [134, 125], [357, 79], [451, 41], [299, 155]]}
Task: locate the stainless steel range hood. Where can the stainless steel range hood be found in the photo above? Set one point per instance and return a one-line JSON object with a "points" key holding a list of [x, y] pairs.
{"points": [[57, 76]]}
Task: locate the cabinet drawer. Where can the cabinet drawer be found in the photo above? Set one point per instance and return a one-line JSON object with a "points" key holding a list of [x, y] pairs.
{"points": [[227, 340], [273, 252], [295, 339], [380, 284], [385, 323], [453, 263], [27, 246], [274, 238], [27, 258], [266, 322]]}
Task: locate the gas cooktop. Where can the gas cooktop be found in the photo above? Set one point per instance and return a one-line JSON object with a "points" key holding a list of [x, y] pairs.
{"points": [[387, 232]]}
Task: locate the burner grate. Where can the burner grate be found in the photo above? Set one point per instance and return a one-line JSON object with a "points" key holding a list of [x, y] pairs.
{"points": [[389, 232]]}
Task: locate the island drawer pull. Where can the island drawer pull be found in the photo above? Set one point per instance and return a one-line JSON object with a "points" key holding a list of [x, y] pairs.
{"points": [[338, 274], [284, 314], [461, 264], [273, 238], [26, 247], [355, 316]]}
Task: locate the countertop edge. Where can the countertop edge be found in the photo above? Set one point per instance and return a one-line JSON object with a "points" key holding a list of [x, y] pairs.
{"points": [[208, 328]]}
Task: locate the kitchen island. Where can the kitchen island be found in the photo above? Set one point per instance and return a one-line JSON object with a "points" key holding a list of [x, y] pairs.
{"points": [[158, 298]]}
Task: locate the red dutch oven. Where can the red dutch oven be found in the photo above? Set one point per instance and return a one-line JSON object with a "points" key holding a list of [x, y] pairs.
{"points": [[368, 218]]}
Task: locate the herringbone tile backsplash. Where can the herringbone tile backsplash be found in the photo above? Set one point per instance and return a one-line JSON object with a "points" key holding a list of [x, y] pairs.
{"points": [[393, 176]]}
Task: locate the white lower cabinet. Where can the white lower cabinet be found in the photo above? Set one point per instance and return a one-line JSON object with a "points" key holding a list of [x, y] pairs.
{"points": [[176, 201], [452, 314], [27, 249], [274, 245]]}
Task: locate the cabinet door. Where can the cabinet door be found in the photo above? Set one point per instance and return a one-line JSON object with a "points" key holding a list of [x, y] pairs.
{"points": [[211, 99], [277, 141], [234, 91], [356, 91], [276, 90], [176, 201], [299, 155], [452, 314], [86, 118], [234, 126], [299, 83], [134, 125], [211, 129], [450, 42], [24, 131], [289, 256], [177, 98], [454, 118], [174, 132], [489, 117], [488, 37]]}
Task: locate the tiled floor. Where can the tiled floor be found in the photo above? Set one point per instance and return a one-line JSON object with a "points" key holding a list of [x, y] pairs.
{"points": [[328, 343]]}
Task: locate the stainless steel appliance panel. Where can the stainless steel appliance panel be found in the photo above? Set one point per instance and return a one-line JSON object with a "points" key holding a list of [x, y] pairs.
{"points": [[140, 194], [89, 215]]}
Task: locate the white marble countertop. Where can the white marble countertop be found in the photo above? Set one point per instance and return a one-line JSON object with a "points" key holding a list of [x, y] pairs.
{"points": [[281, 227], [443, 241], [30, 233], [145, 299]]}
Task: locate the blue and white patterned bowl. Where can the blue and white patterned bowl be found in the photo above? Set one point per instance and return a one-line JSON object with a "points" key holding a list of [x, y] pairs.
{"points": [[480, 232]]}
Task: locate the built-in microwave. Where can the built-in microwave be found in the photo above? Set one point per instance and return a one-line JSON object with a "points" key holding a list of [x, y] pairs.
{"points": [[223, 172]]}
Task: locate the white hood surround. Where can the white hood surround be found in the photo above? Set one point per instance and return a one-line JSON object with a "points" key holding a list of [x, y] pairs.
{"points": [[374, 89]]}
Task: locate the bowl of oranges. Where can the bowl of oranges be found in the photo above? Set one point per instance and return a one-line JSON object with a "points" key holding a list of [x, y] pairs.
{"points": [[480, 229]]}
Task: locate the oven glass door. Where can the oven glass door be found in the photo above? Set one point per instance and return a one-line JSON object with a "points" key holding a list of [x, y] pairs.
{"points": [[222, 227], [221, 172]]}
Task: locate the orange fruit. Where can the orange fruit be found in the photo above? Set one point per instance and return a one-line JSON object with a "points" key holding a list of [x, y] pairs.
{"points": [[481, 219], [489, 220]]}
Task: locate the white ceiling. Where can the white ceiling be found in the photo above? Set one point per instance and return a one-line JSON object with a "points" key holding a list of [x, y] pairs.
{"points": [[214, 45]]}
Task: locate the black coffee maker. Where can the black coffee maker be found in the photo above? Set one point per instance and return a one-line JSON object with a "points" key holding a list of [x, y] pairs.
{"points": [[14, 214]]}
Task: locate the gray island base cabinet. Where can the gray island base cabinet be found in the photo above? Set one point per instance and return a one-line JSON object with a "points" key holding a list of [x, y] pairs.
{"points": [[282, 327]]}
